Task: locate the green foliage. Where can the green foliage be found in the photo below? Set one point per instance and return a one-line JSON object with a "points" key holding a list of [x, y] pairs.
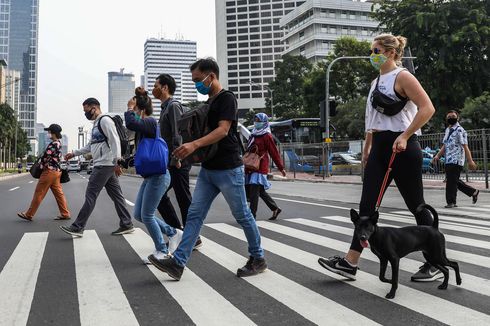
{"points": [[451, 40], [7, 132], [249, 118], [349, 121], [476, 112]]}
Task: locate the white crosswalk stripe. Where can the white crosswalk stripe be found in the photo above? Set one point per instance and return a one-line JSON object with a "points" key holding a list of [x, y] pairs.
{"points": [[459, 219], [463, 211], [105, 295]]}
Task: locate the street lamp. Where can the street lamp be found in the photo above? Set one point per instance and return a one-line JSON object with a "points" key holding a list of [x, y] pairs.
{"points": [[271, 91]]}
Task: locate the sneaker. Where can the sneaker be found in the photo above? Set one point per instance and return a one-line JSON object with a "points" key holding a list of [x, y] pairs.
{"points": [[339, 266], [253, 267], [173, 242], [198, 244], [427, 273], [123, 230], [475, 196], [450, 205], [157, 254], [167, 265], [72, 230]]}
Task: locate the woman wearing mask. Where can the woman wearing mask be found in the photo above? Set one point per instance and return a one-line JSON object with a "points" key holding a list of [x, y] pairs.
{"points": [[397, 107], [262, 143], [50, 177], [138, 118]]}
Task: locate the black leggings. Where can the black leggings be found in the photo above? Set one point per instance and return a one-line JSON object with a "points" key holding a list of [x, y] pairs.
{"points": [[406, 171], [255, 191]]}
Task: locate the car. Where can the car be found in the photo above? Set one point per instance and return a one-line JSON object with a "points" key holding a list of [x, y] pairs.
{"points": [[28, 166], [74, 165], [63, 165], [427, 166], [90, 167]]}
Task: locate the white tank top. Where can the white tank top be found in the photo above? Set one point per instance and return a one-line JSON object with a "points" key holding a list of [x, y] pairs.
{"points": [[381, 122]]}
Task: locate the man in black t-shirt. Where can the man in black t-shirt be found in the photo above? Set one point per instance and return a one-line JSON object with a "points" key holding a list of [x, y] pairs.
{"points": [[223, 173]]}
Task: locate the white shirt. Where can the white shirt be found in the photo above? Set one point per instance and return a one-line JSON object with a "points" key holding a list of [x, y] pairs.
{"points": [[381, 122]]}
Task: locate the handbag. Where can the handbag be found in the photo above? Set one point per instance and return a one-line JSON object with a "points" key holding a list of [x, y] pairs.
{"points": [[151, 156], [251, 159], [36, 170], [65, 177]]}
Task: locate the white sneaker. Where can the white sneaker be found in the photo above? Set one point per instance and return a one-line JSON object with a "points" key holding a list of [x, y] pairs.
{"points": [[173, 242], [157, 254]]}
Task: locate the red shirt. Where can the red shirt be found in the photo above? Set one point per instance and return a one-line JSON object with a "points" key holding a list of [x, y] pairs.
{"points": [[266, 146]]}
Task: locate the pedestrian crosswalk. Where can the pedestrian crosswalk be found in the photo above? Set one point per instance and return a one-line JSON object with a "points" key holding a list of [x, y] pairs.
{"points": [[482, 212], [295, 290]]}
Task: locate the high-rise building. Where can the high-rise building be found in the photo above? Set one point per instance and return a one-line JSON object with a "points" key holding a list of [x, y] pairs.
{"points": [[18, 46], [42, 139], [12, 89], [64, 144], [312, 28], [172, 57], [121, 89], [249, 41], [3, 82]]}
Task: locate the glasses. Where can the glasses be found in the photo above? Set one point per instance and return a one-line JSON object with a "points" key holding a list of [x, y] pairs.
{"points": [[375, 51]]}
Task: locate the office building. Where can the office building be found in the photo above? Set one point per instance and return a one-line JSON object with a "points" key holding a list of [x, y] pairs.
{"points": [[3, 81], [312, 28], [12, 89], [42, 139], [248, 38], [64, 144], [173, 57], [121, 89], [19, 47]]}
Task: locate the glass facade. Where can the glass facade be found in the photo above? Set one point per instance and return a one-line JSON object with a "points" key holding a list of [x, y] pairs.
{"points": [[121, 89]]}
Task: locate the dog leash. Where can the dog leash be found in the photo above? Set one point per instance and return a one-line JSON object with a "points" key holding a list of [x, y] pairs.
{"points": [[385, 181]]}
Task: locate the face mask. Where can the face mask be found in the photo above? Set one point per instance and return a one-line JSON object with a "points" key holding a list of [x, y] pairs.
{"points": [[203, 89], [137, 116], [452, 121], [89, 115], [156, 92], [377, 60], [259, 125]]}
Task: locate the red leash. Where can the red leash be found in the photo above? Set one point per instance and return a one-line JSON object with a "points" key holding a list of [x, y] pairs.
{"points": [[385, 181]]}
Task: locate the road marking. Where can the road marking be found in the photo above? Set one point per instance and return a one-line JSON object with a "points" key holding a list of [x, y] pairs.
{"points": [[309, 304], [471, 283], [449, 218], [200, 301], [434, 307], [15, 188], [129, 203], [31, 181], [310, 203], [100, 295], [18, 278]]}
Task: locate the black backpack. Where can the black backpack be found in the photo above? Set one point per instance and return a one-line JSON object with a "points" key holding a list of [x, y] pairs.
{"points": [[122, 132], [194, 125]]}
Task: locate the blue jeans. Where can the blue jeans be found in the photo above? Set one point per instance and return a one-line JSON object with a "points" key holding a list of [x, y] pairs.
{"points": [[149, 195], [209, 184]]}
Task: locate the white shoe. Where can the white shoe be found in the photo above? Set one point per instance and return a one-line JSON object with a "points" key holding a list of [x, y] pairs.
{"points": [[173, 242], [157, 254]]}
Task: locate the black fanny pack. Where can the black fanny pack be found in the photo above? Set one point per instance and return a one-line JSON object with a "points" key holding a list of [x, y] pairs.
{"points": [[385, 104]]}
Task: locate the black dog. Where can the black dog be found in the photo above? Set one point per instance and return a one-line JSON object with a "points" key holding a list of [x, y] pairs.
{"points": [[391, 244]]}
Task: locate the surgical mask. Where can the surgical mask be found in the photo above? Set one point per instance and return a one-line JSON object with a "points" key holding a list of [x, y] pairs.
{"points": [[259, 125], [377, 60], [203, 89], [452, 121], [89, 115], [156, 92]]}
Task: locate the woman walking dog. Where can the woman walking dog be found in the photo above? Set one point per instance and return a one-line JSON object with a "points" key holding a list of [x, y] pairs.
{"points": [[397, 107]]}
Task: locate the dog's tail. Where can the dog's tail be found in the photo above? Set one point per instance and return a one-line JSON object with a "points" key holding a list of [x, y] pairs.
{"points": [[435, 224]]}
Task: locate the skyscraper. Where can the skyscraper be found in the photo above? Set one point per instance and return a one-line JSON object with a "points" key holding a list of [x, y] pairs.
{"points": [[248, 38], [173, 57], [12, 89], [121, 89], [18, 46]]}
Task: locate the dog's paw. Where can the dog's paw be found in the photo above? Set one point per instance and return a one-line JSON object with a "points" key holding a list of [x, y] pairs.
{"points": [[390, 295], [458, 282], [442, 286]]}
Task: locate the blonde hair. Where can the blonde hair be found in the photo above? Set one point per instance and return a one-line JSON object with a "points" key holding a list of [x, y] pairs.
{"points": [[391, 42]]}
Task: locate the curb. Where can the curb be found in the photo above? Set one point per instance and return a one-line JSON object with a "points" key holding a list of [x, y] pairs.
{"points": [[13, 176]]}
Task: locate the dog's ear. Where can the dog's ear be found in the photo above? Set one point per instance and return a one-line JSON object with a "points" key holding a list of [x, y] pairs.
{"points": [[375, 217], [354, 217]]}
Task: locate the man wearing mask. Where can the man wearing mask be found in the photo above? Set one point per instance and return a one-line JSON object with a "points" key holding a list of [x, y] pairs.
{"points": [[106, 151], [164, 90], [455, 149]]}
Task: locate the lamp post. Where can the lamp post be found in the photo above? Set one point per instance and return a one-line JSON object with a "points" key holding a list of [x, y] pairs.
{"points": [[271, 91]]}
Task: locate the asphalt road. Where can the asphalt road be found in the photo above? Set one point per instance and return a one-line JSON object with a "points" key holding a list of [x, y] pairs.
{"points": [[48, 278]]}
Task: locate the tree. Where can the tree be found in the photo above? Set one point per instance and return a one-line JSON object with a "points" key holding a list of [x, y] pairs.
{"points": [[476, 112], [288, 86], [249, 118], [451, 40], [349, 121], [7, 133]]}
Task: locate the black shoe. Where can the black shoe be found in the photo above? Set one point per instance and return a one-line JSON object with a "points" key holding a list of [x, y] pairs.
{"points": [[339, 266], [198, 244], [450, 205], [275, 214], [427, 273], [72, 230], [475, 196], [253, 267], [123, 230], [167, 265]]}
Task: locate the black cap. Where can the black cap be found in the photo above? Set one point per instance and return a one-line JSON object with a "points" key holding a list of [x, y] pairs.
{"points": [[54, 128], [91, 101]]}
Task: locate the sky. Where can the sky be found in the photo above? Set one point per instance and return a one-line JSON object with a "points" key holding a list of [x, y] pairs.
{"points": [[80, 41]]}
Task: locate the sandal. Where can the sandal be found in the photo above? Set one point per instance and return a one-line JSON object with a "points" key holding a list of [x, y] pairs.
{"points": [[62, 218], [24, 216]]}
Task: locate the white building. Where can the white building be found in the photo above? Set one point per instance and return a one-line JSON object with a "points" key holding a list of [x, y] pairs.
{"points": [[248, 41], [121, 89], [312, 28], [173, 57], [12, 89]]}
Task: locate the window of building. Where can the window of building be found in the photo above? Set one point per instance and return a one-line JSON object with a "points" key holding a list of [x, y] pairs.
{"points": [[265, 7], [232, 74], [301, 35], [253, 8], [266, 43], [268, 64], [242, 9], [353, 15], [266, 28], [244, 66], [265, 21], [256, 95], [232, 60], [245, 95], [331, 13], [230, 10], [231, 31], [278, 35], [278, 13], [243, 59], [254, 15], [256, 65], [254, 29], [242, 16], [268, 72], [242, 30], [268, 79], [243, 37], [232, 46], [255, 37], [230, 3], [234, 89], [241, 2], [277, 49], [244, 73], [255, 58], [333, 30], [243, 52], [233, 82], [323, 13], [266, 35], [364, 32], [289, 5], [324, 28], [265, 14], [267, 50], [255, 51], [231, 38], [276, 20], [243, 45], [343, 14], [232, 67], [302, 51], [231, 52], [231, 17], [267, 58], [254, 44], [243, 23], [232, 24], [256, 73], [254, 22]]}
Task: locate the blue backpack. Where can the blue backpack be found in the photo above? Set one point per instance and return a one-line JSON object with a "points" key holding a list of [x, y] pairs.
{"points": [[151, 156]]}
